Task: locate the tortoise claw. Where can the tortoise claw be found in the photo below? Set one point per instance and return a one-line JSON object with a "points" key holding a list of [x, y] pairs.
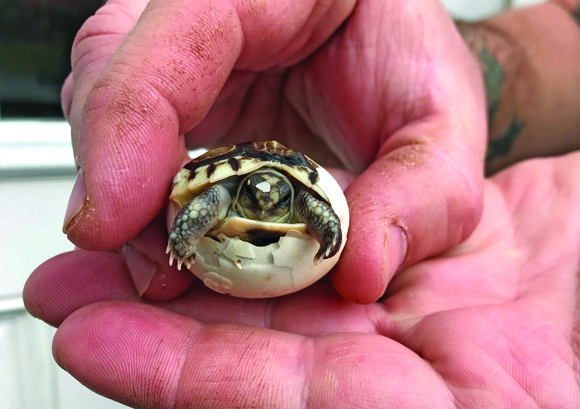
{"points": [[188, 261], [181, 261], [323, 224], [328, 248]]}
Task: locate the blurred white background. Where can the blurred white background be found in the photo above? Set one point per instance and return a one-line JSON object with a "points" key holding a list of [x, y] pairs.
{"points": [[36, 176]]}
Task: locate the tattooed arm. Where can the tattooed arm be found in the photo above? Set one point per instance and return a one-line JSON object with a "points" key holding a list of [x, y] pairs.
{"points": [[530, 59]]}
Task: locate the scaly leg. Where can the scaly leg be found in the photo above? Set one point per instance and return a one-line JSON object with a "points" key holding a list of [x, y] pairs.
{"points": [[322, 222], [194, 220]]}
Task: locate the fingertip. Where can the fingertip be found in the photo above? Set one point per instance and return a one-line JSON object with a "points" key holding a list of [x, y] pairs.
{"points": [[149, 266], [67, 96], [360, 275], [117, 196], [121, 350], [165, 287], [155, 280], [69, 281]]}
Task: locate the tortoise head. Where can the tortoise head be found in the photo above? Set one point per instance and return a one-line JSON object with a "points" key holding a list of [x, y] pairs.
{"points": [[265, 195]]}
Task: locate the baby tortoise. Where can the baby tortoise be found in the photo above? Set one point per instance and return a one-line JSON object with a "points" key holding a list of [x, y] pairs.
{"points": [[266, 182]]}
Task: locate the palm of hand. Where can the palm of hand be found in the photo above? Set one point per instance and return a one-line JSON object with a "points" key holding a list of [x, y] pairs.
{"points": [[487, 323], [492, 322]]}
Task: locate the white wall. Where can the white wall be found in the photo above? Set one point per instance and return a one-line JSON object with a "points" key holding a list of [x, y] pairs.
{"points": [[32, 210], [477, 9], [36, 177]]}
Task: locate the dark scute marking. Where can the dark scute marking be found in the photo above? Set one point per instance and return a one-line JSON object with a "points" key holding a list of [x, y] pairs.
{"points": [[210, 169], [260, 237], [233, 162], [313, 176]]}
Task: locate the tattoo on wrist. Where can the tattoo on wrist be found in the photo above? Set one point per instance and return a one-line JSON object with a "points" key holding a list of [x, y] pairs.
{"points": [[500, 142], [494, 78]]}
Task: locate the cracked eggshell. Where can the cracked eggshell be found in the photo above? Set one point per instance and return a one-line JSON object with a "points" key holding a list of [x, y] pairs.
{"points": [[233, 266]]}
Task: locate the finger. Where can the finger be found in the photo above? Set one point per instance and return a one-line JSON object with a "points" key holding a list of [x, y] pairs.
{"points": [[143, 356], [72, 280], [146, 72], [315, 311], [421, 194], [149, 265], [69, 281], [76, 279], [412, 203], [127, 126]]}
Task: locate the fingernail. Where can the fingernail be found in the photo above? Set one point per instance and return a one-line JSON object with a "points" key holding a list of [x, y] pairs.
{"points": [[396, 249], [76, 201], [141, 267]]}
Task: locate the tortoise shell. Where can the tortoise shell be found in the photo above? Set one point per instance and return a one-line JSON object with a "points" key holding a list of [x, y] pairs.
{"points": [[240, 159]]}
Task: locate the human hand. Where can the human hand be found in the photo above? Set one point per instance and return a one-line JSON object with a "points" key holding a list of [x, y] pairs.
{"points": [[383, 88], [492, 323]]}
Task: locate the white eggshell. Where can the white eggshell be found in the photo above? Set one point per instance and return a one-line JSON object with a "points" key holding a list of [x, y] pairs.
{"points": [[235, 267]]}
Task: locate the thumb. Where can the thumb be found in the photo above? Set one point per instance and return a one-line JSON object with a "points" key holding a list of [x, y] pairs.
{"points": [[422, 196], [136, 85]]}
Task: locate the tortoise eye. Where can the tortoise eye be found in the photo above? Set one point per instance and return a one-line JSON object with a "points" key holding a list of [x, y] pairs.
{"points": [[284, 201], [284, 196]]}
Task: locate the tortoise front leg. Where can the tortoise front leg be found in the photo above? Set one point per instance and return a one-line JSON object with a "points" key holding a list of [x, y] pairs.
{"points": [[194, 220], [322, 222]]}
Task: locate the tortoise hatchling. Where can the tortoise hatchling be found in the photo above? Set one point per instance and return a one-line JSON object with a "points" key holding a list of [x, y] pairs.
{"points": [[256, 220]]}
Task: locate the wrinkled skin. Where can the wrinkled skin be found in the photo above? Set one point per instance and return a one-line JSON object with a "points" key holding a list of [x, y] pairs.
{"points": [[492, 323], [387, 93], [386, 90]]}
